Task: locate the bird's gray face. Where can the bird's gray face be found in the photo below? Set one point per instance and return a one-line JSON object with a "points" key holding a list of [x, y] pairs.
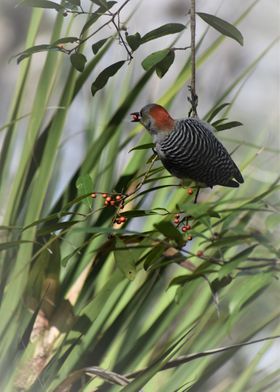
{"points": [[144, 118]]}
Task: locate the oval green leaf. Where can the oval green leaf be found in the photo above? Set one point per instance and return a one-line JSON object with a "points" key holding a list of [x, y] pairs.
{"points": [[169, 28], [145, 146], [134, 41], [153, 59], [78, 60], [229, 125], [84, 186], [34, 49], [98, 45], [96, 15], [217, 110], [43, 4], [65, 40], [104, 76], [124, 260], [75, 3], [153, 256], [165, 64], [101, 3], [169, 230], [222, 26]]}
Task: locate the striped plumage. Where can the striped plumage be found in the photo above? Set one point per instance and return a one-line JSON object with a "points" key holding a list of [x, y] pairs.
{"points": [[188, 148]]}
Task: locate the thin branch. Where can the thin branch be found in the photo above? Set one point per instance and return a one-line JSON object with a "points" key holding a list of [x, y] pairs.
{"points": [[185, 48], [92, 371], [119, 379], [187, 358], [122, 41], [111, 20], [193, 99], [139, 186]]}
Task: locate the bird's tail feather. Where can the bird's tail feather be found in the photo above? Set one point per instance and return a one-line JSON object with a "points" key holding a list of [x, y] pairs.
{"points": [[238, 177], [231, 184]]}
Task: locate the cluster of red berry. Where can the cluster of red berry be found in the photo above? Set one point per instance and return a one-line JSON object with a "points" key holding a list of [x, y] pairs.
{"points": [[184, 223], [114, 200]]}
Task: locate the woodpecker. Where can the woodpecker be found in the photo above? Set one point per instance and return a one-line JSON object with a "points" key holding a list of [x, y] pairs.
{"points": [[188, 148]]}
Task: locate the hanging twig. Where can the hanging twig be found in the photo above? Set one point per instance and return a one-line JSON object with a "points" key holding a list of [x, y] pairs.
{"points": [[193, 99], [111, 20], [122, 40]]}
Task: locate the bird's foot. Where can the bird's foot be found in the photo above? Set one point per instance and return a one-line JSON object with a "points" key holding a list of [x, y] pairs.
{"points": [[193, 99], [196, 195]]}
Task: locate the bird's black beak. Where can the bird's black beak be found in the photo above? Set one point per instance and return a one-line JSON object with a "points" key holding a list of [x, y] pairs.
{"points": [[135, 117]]}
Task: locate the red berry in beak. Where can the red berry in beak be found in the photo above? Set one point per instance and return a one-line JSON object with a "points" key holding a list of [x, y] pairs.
{"points": [[135, 117]]}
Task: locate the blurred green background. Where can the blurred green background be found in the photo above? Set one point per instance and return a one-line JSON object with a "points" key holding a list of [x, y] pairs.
{"points": [[60, 273]]}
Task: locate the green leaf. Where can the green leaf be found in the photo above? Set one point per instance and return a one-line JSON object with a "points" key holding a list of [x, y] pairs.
{"points": [[11, 244], [233, 263], [153, 255], [102, 230], [231, 240], [229, 125], [218, 122], [134, 41], [213, 214], [217, 284], [222, 26], [25, 338], [101, 3], [96, 15], [169, 230], [54, 227], [104, 76], [98, 45], [169, 28], [91, 20], [84, 185], [34, 49], [65, 40], [43, 4], [157, 364], [154, 58], [217, 110], [248, 288], [78, 60], [145, 146], [76, 3], [165, 64], [138, 213], [124, 260], [65, 259], [182, 279]]}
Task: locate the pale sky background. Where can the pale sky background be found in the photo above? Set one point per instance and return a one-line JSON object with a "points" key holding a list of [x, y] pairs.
{"points": [[257, 106]]}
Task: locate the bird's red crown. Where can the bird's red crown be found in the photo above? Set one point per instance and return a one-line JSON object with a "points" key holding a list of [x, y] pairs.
{"points": [[162, 118]]}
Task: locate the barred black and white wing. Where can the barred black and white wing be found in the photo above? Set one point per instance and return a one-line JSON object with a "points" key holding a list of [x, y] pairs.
{"points": [[192, 151]]}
